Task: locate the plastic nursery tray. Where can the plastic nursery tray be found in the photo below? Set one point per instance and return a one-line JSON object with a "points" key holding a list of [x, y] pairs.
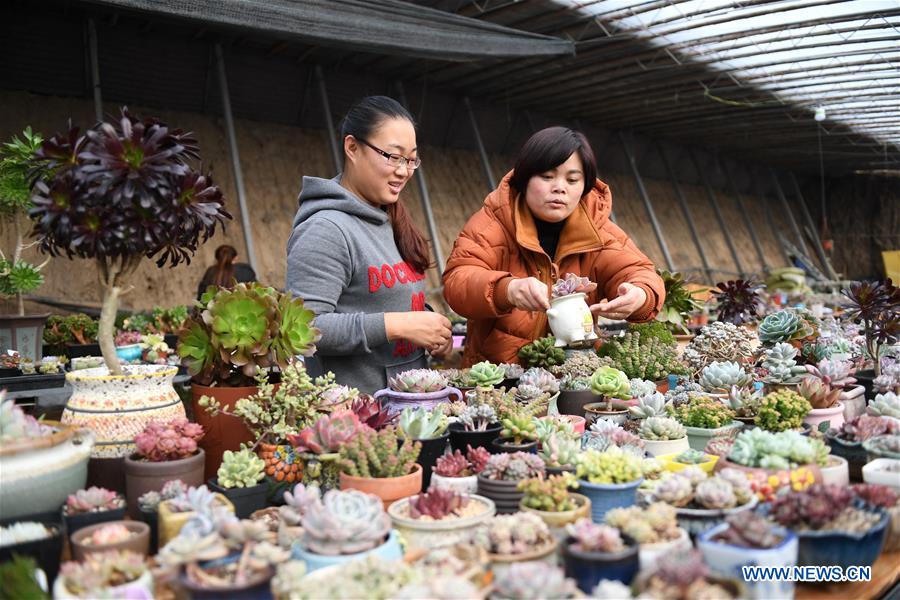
{"points": [[23, 383]]}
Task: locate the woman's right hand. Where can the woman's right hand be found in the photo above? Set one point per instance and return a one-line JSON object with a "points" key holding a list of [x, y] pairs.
{"points": [[426, 329], [529, 293]]}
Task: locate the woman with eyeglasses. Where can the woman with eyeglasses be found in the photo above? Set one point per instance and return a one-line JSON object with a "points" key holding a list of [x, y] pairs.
{"points": [[548, 217], [358, 261]]}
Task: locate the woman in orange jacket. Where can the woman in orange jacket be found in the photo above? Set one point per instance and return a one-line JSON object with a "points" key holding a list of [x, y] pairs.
{"points": [[548, 217]]}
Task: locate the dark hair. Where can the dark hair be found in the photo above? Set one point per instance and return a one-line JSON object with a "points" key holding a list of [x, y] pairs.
{"points": [[224, 269], [549, 148], [360, 121]]}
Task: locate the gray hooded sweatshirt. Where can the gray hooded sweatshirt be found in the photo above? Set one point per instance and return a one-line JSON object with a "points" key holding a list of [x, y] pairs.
{"points": [[343, 262]]}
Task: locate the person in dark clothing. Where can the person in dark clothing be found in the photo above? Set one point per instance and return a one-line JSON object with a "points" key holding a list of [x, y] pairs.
{"points": [[226, 273]]}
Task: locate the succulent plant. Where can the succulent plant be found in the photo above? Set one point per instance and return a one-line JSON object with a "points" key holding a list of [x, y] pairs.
{"points": [[542, 353], [342, 522], [518, 428], [171, 440], [422, 424], [371, 413], [836, 373], [811, 508], [740, 484], [240, 469], [744, 401], [328, 434], [781, 410], [719, 445], [93, 499], [646, 525], [559, 451], [874, 304], [680, 302], [149, 501], [614, 465], [749, 530], [518, 533], [817, 393], [512, 370], [418, 381], [541, 379], [554, 425], [641, 387], [718, 376], [375, 454], [885, 405], [605, 434], [704, 412], [550, 494], [575, 384], [863, 428], [610, 383], [661, 428], [514, 466], [692, 457], [738, 301], [94, 576], [369, 577], [887, 446], [436, 504], [580, 364], [526, 394], [572, 284], [533, 580], [588, 536], [477, 417], [15, 424], [715, 493], [720, 341], [651, 405], [676, 490], [486, 374], [641, 353], [682, 393], [781, 365], [783, 326], [782, 450], [457, 465], [682, 574], [889, 380], [880, 496]]}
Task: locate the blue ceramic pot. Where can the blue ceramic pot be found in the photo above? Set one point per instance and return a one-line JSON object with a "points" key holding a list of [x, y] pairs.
{"points": [[258, 588], [589, 568], [390, 550], [841, 548], [129, 353], [607, 496]]}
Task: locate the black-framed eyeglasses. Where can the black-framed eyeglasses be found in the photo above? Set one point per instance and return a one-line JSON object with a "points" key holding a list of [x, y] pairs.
{"points": [[395, 160]]}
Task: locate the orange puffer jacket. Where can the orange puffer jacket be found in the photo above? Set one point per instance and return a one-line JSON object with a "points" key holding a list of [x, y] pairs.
{"points": [[500, 242]]}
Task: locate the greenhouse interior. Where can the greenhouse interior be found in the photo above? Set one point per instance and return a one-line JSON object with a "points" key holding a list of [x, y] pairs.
{"points": [[450, 299]]}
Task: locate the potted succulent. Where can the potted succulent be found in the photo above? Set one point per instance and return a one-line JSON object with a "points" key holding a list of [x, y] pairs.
{"points": [[780, 369], [575, 381], [429, 428], [105, 182], [887, 499], [874, 306], [231, 341], [680, 574], [570, 425], [542, 353], [786, 455], [883, 471], [749, 539], [738, 301], [519, 434], [42, 541], [559, 453], [781, 410], [831, 529], [18, 276], [240, 479], [113, 535], [606, 434], [792, 326], [524, 579], [679, 305], [592, 553], [663, 435], [705, 418], [518, 538], [73, 335], [458, 472], [645, 351], [439, 517], [552, 500], [417, 388], [499, 480], [569, 315], [703, 502], [319, 444], [164, 451], [91, 506], [477, 427], [608, 383], [539, 378], [648, 405], [38, 455], [847, 440], [654, 528], [114, 574], [174, 513], [370, 412], [511, 374], [717, 378], [369, 577], [885, 405], [838, 375], [689, 457], [610, 479], [485, 375], [824, 400], [744, 401], [882, 446], [372, 462], [148, 508], [720, 341]]}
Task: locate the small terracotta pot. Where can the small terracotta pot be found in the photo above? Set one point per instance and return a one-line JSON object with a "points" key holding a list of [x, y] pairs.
{"points": [[222, 431], [389, 489], [142, 476], [138, 542]]}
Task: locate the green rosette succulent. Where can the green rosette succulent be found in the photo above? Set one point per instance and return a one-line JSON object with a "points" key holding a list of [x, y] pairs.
{"points": [[542, 353], [196, 349], [610, 382], [243, 326], [486, 374], [241, 469], [785, 326], [296, 336]]}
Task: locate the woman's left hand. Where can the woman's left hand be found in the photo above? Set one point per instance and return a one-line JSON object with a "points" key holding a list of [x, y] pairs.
{"points": [[442, 351], [630, 299]]}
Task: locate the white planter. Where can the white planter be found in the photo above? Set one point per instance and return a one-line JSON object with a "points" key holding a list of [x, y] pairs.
{"points": [[142, 587], [461, 485], [727, 560], [418, 533], [571, 320], [854, 401], [837, 471], [876, 472], [660, 447], [834, 415], [698, 437], [649, 554]]}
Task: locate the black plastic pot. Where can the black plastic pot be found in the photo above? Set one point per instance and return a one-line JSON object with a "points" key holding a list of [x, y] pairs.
{"points": [[431, 450], [151, 518], [78, 350], [246, 500], [501, 445], [509, 383], [559, 470], [572, 402], [852, 452], [865, 378], [460, 438], [589, 568], [505, 494], [46, 552], [79, 521]]}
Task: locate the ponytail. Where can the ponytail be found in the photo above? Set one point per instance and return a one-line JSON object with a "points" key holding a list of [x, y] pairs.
{"points": [[224, 269]]}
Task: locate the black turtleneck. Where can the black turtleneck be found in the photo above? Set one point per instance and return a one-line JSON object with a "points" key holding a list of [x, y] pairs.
{"points": [[548, 235]]}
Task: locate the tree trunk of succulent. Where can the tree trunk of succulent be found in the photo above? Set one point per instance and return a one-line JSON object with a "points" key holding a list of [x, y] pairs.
{"points": [[107, 329], [20, 301]]}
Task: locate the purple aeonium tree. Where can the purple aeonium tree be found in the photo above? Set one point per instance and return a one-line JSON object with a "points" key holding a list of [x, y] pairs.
{"points": [[123, 191]]}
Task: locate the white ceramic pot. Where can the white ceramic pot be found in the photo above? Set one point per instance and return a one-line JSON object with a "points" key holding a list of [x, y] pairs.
{"points": [[649, 554], [854, 401], [837, 471], [727, 560], [461, 485], [571, 320], [418, 533], [661, 447], [834, 416], [877, 472], [142, 587], [118, 407]]}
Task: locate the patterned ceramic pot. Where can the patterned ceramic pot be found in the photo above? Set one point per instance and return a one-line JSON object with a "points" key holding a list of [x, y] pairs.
{"points": [[118, 407], [283, 463]]}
